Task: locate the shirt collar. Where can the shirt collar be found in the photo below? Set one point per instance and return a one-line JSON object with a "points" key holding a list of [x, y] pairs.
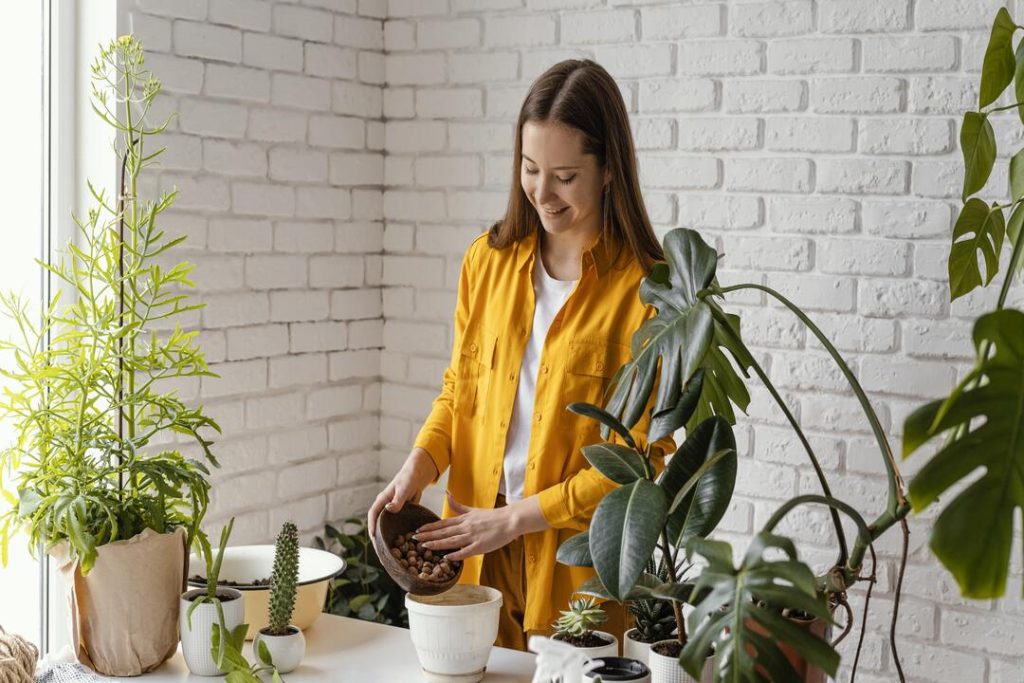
{"points": [[602, 253]]}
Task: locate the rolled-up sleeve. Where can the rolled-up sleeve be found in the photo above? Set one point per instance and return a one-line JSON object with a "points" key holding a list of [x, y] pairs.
{"points": [[435, 436]]}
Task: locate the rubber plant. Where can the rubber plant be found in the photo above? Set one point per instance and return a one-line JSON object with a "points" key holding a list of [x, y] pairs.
{"points": [[92, 378], [738, 608]]}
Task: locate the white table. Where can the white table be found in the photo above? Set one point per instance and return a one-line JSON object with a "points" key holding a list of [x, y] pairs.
{"points": [[344, 650]]}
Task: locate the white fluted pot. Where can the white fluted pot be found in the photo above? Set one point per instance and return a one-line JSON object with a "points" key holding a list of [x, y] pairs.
{"points": [[454, 631], [667, 669], [195, 639], [286, 652]]}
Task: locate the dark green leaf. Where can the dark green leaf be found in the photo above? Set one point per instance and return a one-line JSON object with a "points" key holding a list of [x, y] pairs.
{"points": [[1018, 78], [575, 551], [697, 511], [619, 463], [978, 228], [978, 143], [623, 533], [1017, 175], [998, 67], [994, 448], [667, 421], [602, 416]]}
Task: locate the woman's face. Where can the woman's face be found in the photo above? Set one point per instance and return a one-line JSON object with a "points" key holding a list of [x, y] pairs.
{"points": [[563, 184]]}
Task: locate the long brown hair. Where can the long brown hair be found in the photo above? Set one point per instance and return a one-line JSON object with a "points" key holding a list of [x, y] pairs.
{"points": [[579, 93]]}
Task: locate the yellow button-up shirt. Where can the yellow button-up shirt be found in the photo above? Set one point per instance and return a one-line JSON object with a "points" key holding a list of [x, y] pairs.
{"points": [[588, 341]]}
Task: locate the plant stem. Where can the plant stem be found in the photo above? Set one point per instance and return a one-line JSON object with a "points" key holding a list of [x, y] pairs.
{"points": [[895, 481], [671, 564], [840, 534]]}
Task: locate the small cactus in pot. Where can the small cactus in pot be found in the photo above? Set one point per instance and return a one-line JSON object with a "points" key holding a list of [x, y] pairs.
{"points": [[283, 640]]}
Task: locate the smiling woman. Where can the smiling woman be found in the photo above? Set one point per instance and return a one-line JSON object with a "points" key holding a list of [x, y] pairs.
{"points": [[22, 194]]}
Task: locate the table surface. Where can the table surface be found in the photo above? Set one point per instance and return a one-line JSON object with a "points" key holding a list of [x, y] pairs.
{"points": [[344, 650]]}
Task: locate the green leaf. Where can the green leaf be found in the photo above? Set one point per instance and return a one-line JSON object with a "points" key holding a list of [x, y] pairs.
{"points": [[263, 652], [681, 339], [998, 68], [619, 463], [732, 616], [699, 495], [978, 143], [358, 601], [1017, 175], [1018, 78], [575, 551], [978, 228], [608, 420], [624, 532], [1013, 232], [669, 420], [993, 449]]}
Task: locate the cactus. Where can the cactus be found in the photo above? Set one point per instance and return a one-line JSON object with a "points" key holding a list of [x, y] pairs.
{"points": [[283, 580], [582, 617]]}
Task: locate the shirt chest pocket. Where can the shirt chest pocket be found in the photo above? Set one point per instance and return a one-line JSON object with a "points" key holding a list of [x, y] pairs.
{"points": [[589, 370], [476, 359]]}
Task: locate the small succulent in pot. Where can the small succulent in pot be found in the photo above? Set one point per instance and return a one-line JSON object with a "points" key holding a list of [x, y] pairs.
{"points": [[577, 625], [282, 639]]}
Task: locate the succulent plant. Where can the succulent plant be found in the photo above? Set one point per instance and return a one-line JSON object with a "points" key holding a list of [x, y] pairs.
{"points": [[283, 580], [654, 619], [582, 617]]}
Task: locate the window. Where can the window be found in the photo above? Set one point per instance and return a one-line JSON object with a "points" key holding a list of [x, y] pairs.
{"points": [[24, 198]]}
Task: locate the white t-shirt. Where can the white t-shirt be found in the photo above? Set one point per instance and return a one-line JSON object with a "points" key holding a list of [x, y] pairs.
{"points": [[550, 295]]}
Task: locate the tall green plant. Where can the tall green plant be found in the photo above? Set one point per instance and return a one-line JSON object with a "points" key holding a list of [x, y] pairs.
{"points": [[90, 392], [983, 418]]}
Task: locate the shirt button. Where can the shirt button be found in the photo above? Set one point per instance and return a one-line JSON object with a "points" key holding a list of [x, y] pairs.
{"points": [[537, 417], [502, 424], [533, 465], [600, 365], [531, 558], [544, 369], [522, 331], [511, 377], [497, 469], [472, 347]]}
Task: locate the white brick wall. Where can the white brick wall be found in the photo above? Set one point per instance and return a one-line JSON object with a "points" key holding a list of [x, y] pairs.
{"points": [[812, 141], [278, 125]]}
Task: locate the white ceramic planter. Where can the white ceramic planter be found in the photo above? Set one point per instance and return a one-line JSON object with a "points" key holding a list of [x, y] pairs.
{"points": [[454, 631], [667, 670], [195, 640], [286, 651], [635, 649]]}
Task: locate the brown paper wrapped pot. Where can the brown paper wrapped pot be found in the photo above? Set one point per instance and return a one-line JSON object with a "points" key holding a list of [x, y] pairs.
{"points": [[124, 613]]}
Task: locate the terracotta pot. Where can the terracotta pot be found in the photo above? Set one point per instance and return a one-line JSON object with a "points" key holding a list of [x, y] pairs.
{"points": [[816, 627], [124, 612]]}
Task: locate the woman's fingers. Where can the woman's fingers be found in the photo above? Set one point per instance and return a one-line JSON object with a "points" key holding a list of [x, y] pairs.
{"points": [[459, 555], [455, 541], [378, 504], [424, 532]]}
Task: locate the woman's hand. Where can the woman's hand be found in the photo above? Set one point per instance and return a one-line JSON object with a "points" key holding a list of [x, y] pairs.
{"points": [[417, 471], [475, 531]]}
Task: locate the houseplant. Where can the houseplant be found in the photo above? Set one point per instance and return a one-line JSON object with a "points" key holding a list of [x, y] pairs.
{"points": [[282, 639], [578, 627], [202, 610], [364, 590], [653, 619], [739, 611], [234, 663], [92, 396]]}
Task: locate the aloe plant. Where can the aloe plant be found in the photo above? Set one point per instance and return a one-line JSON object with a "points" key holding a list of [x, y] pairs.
{"points": [[283, 580], [90, 380], [683, 350]]}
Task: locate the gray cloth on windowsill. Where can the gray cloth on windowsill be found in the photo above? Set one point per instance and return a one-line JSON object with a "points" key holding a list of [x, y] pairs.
{"points": [[66, 673]]}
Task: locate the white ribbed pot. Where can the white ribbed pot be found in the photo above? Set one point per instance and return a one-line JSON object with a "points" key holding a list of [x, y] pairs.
{"points": [[610, 649], [454, 631], [635, 649], [195, 639], [286, 652], [667, 669]]}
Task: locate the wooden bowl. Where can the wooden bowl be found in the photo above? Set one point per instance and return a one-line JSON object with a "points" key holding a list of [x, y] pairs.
{"points": [[392, 524]]}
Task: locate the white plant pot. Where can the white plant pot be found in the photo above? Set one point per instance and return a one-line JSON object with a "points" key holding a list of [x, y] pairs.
{"points": [[195, 640], [667, 669], [454, 631], [609, 650], [286, 651], [635, 649]]}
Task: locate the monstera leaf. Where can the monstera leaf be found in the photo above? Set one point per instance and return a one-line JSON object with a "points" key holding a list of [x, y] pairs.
{"points": [[978, 229], [681, 339], [973, 535], [739, 613], [699, 479]]}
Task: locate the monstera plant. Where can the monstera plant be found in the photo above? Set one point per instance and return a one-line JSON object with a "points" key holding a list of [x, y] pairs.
{"points": [[693, 352]]}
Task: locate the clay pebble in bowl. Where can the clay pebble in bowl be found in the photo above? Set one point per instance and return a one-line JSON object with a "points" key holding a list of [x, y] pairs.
{"points": [[399, 526]]}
